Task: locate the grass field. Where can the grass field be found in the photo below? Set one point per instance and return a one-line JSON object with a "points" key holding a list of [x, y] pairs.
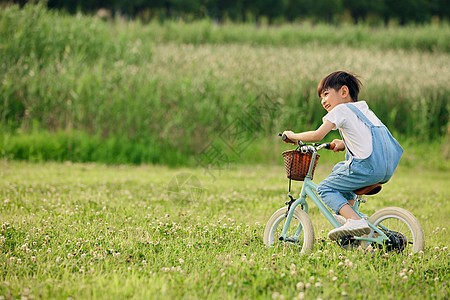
{"points": [[79, 231]]}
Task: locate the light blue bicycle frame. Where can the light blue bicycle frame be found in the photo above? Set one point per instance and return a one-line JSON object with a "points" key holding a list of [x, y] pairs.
{"points": [[309, 189]]}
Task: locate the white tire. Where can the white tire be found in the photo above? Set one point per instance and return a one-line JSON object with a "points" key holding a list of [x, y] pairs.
{"points": [[408, 234], [304, 240]]}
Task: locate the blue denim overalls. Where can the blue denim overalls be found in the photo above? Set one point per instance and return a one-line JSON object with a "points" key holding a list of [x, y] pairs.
{"points": [[356, 173]]}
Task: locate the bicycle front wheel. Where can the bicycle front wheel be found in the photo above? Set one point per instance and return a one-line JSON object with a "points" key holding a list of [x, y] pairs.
{"points": [[402, 228], [300, 233]]}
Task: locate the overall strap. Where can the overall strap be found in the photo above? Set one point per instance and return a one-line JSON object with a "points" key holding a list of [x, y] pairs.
{"points": [[360, 114], [346, 146]]}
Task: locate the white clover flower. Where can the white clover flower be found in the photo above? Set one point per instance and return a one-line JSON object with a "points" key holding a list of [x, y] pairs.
{"points": [[300, 286]]}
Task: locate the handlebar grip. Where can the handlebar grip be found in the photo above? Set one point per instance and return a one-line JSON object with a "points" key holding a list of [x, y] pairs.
{"points": [[330, 146], [286, 139]]}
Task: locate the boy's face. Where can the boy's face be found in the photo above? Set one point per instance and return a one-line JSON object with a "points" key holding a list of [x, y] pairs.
{"points": [[331, 98]]}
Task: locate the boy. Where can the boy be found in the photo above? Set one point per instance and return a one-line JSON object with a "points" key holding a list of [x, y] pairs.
{"points": [[372, 154]]}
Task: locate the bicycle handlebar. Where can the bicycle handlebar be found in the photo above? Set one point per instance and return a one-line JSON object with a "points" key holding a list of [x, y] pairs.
{"points": [[329, 146]]}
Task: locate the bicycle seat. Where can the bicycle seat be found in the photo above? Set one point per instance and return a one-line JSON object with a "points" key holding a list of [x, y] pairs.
{"points": [[369, 190]]}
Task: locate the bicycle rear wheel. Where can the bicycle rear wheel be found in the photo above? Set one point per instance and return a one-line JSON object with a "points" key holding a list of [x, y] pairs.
{"points": [[403, 229], [301, 237]]}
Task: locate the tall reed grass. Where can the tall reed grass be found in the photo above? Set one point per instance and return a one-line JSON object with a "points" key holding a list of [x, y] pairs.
{"points": [[78, 88]]}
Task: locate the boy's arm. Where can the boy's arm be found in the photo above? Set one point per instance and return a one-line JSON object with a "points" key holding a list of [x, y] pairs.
{"points": [[311, 136]]}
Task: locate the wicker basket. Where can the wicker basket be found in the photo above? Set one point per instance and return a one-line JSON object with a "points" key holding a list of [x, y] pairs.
{"points": [[300, 165]]}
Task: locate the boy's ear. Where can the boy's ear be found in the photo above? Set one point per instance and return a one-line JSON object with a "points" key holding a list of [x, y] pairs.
{"points": [[344, 91]]}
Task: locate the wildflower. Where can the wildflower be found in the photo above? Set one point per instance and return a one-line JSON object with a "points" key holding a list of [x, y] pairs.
{"points": [[19, 261], [436, 249], [33, 258], [444, 249], [181, 261], [301, 295], [348, 263], [334, 278], [420, 252], [318, 284], [307, 285], [221, 272], [300, 286]]}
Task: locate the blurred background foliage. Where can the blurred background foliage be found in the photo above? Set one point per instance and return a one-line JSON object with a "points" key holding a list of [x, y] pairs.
{"points": [[114, 90], [271, 11]]}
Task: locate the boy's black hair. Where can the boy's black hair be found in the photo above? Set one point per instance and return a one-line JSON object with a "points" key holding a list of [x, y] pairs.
{"points": [[337, 79]]}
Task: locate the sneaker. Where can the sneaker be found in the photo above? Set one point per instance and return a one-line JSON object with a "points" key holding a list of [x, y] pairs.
{"points": [[351, 227], [341, 220]]}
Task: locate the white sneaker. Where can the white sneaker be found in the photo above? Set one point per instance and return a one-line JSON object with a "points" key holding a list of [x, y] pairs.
{"points": [[351, 227], [341, 220]]}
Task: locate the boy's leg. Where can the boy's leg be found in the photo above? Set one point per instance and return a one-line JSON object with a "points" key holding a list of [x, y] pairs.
{"points": [[337, 189], [332, 190]]}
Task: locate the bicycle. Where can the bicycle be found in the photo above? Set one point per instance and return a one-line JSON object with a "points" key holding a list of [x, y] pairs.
{"points": [[392, 228]]}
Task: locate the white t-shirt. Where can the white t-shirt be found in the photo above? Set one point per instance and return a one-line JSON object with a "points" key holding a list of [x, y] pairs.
{"points": [[356, 133]]}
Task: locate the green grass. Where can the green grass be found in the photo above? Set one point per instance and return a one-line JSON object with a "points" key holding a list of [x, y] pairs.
{"points": [[159, 93], [103, 232]]}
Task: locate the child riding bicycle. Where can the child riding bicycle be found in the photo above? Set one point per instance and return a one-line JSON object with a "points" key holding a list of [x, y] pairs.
{"points": [[372, 154]]}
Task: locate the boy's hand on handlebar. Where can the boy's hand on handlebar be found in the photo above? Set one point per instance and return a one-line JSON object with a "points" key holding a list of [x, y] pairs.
{"points": [[290, 139], [339, 145]]}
